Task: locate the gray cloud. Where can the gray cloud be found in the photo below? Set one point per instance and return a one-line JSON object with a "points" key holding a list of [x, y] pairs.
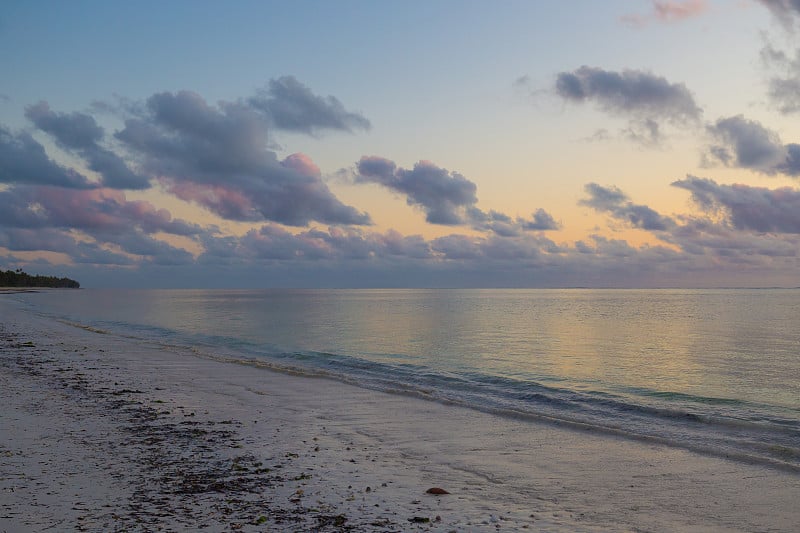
{"points": [[458, 247], [45, 218], [784, 83], [443, 195], [785, 11], [646, 132], [132, 243], [496, 249], [743, 231], [152, 250], [447, 198], [504, 226], [642, 97], [741, 228], [747, 144], [618, 205], [272, 243], [748, 208], [785, 94], [292, 106], [714, 252], [218, 157], [730, 247], [59, 241], [80, 133], [494, 221], [96, 212], [541, 220], [24, 161], [784, 80], [630, 92], [411, 246]]}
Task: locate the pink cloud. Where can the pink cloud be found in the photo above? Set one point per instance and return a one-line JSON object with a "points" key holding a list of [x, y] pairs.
{"points": [[666, 11], [302, 164], [225, 201], [100, 210], [672, 11], [87, 209]]}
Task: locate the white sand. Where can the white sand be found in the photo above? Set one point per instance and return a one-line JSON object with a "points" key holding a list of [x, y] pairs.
{"points": [[100, 433]]}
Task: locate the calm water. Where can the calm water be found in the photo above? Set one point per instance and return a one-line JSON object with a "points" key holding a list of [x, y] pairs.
{"points": [[715, 371]]}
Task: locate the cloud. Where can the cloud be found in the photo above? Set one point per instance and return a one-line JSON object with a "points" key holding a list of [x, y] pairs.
{"points": [[47, 218], [148, 249], [747, 144], [447, 198], [411, 246], [600, 135], [784, 85], [785, 11], [24, 161], [523, 83], [672, 11], [541, 220], [741, 232], [53, 240], [646, 132], [218, 157], [613, 201], [667, 11], [273, 243], [443, 195], [92, 211], [494, 221], [785, 93], [644, 98], [784, 81], [504, 226], [79, 132], [748, 208], [630, 92], [730, 248], [740, 228], [292, 106]]}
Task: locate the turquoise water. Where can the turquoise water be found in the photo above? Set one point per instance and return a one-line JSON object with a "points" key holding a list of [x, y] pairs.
{"points": [[716, 371]]}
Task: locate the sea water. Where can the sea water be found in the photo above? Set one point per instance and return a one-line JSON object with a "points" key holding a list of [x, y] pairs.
{"points": [[714, 371]]}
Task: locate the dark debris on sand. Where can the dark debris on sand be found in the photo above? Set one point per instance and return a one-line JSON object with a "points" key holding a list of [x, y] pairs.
{"points": [[179, 474]]}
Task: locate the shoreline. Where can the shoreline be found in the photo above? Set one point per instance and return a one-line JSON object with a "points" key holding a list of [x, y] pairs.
{"points": [[104, 433]]}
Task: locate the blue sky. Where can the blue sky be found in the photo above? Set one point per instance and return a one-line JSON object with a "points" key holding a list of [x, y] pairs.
{"points": [[583, 143]]}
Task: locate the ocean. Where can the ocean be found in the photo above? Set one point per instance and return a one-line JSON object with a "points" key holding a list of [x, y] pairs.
{"points": [[713, 371]]}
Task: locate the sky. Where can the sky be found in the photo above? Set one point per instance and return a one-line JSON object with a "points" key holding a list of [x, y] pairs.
{"points": [[623, 143]]}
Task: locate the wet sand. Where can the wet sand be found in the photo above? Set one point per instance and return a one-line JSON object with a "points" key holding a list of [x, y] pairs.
{"points": [[103, 433]]}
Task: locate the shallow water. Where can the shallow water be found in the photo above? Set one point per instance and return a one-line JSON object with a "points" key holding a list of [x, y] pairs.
{"points": [[716, 371]]}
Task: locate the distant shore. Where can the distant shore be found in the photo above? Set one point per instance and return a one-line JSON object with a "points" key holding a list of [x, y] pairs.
{"points": [[102, 433]]}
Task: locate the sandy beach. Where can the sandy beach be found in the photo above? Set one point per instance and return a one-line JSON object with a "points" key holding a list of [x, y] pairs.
{"points": [[100, 433]]}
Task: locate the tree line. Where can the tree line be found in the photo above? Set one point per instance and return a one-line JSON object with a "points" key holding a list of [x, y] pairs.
{"points": [[18, 278]]}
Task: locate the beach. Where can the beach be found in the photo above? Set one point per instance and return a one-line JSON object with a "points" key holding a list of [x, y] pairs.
{"points": [[103, 432]]}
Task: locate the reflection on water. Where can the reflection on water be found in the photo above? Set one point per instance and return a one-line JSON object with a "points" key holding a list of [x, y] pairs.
{"points": [[742, 344]]}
